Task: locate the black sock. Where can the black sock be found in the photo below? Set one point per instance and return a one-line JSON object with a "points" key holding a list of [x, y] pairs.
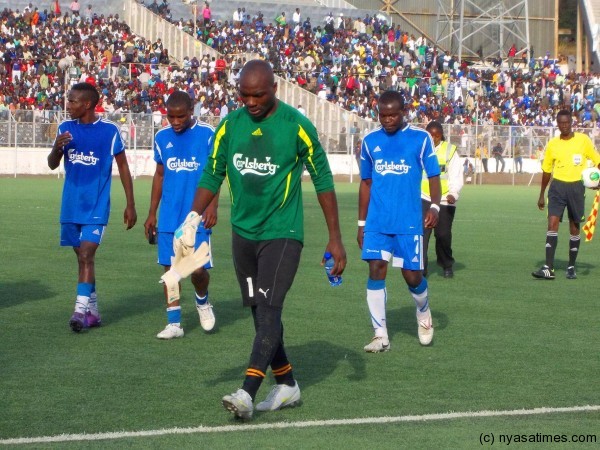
{"points": [[551, 242], [573, 249]]}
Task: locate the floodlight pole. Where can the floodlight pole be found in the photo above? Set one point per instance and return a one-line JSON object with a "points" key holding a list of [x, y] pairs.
{"points": [[461, 23]]}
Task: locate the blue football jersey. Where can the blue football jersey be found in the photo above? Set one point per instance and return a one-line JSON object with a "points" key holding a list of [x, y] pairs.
{"points": [[395, 164], [88, 161], [183, 156]]}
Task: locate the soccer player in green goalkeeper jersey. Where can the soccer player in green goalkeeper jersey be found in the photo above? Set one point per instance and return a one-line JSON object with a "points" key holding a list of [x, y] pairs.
{"points": [[263, 148]]}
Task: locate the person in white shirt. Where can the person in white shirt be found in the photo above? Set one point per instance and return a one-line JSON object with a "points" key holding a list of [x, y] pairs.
{"points": [[296, 17]]}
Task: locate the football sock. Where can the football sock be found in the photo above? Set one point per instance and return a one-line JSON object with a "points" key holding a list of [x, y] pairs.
{"points": [[84, 291], [420, 295], [253, 380], [202, 300], [281, 367], [551, 242], [284, 375], [93, 304], [376, 300], [174, 315], [267, 323], [574, 242]]}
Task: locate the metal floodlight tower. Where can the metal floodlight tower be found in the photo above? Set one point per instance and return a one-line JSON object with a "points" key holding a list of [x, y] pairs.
{"points": [[473, 29]]}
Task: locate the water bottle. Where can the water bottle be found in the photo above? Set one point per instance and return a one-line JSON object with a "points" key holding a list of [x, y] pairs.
{"points": [[334, 280]]}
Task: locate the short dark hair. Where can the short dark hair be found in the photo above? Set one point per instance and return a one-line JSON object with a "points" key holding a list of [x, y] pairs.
{"points": [[391, 97], [179, 98], [435, 125], [90, 91], [563, 112]]}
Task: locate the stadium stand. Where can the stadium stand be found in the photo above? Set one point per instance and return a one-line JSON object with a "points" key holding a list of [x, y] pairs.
{"points": [[345, 66]]}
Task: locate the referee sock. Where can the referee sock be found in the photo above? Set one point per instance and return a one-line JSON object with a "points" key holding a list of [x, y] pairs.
{"points": [[574, 242], [377, 299], [551, 242]]}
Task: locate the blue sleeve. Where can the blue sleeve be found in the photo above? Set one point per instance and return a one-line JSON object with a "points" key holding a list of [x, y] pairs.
{"points": [[366, 163], [157, 152], [430, 161]]}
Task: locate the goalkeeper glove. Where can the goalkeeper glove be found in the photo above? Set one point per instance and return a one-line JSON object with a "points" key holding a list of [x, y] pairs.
{"points": [[185, 235], [182, 267], [171, 280]]}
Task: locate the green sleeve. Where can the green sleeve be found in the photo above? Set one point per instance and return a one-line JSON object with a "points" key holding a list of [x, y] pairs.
{"points": [[215, 169], [314, 157]]}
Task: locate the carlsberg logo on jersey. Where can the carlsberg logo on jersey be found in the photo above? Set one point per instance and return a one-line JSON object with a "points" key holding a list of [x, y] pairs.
{"points": [[383, 167], [182, 164], [81, 158], [246, 165]]}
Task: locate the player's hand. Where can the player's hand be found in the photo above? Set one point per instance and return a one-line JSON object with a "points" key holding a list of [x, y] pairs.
{"points": [[450, 199], [129, 217], [338, 252], [431, 218], [185, 235], [360, 235], [62, 140], [150, 227], [209, 217], [541, 203]]}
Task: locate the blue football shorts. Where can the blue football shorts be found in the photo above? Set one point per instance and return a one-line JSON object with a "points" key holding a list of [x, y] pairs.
{"points": [[165, 247], [71, 234], [405, 250]]}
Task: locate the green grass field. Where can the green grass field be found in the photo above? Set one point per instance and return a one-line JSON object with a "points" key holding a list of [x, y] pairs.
{"points": [[503, 340]]}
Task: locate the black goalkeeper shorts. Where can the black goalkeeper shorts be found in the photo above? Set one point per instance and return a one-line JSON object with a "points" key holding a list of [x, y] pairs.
{"points": [[265, 269]]}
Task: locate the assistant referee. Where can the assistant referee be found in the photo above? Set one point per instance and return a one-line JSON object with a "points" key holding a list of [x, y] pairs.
{"points": [[565, 158]]}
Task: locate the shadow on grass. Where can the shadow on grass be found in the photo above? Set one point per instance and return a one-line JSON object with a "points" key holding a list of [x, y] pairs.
{"points": [[227, 312], [313, 362], [560, 267], [403, 320], [24, 291], [436, 270]]}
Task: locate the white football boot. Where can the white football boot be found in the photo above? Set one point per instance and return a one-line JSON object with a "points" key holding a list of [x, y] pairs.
{"points": [[281, 396], [207, 316], [171, 331], [425, 330], [378, 344], [239, 403]]}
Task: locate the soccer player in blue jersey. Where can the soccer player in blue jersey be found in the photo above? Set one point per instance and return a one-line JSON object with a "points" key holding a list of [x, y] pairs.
{"points": [[390, 219], [180, 151], [89, 144]]}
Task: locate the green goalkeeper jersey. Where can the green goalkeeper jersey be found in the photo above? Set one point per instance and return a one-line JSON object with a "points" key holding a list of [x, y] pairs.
{"points": [[263, 161]]}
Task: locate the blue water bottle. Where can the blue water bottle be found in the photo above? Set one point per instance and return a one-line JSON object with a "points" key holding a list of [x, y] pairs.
{"points": [[334, 280]]}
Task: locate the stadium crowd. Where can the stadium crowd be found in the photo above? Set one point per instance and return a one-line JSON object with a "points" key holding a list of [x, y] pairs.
{"points": [[343, 60]]}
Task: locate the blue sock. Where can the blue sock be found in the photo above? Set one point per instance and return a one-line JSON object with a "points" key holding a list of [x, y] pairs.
{"points": [[174, 314], [93, 304], [84, 291], [420, 295], [202, 300]]}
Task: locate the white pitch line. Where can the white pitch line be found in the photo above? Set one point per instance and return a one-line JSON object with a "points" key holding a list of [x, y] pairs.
{"points": [[306, 424]]}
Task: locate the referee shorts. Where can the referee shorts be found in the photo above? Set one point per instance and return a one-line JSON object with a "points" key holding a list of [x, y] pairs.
{"points": [[569, 195], [265, 269]]}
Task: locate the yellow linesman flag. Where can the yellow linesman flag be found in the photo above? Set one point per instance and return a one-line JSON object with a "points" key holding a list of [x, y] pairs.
{"points": [[590, 224]]}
